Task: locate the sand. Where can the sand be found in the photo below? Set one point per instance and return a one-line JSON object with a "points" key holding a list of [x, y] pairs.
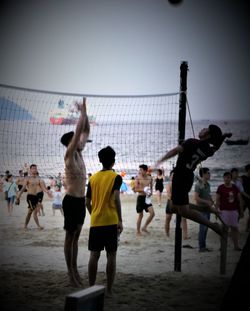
{"points": [[33, 271]]}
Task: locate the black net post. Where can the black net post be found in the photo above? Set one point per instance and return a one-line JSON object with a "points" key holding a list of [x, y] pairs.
{"points": [[181, 130]]}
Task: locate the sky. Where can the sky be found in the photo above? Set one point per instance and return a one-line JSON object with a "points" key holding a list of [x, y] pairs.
{"points": [[131, 47]]}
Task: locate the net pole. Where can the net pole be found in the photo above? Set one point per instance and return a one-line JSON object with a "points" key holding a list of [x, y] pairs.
{"points": [[181, 137]]}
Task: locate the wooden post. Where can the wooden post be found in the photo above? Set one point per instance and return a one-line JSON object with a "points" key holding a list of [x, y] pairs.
{"points": [[181, 128], [223, 254], [89, 299]]}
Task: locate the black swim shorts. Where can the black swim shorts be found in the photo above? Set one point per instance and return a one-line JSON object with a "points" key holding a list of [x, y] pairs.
{"points": [[32, 201], [103, 237], [74, 212], [181, 185], [141, 204]]}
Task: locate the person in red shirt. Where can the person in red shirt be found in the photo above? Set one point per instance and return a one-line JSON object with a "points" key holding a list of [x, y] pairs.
{"points": [[230, 205]]}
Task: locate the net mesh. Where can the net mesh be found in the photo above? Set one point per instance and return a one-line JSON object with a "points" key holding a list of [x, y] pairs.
{"points": [[139, 128]]}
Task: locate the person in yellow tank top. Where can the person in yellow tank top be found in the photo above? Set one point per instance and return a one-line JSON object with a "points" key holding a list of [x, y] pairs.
{"points": [[104, 205]]}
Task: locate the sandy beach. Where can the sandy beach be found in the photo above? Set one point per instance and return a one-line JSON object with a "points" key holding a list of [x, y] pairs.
{"points": [[33, 271]]}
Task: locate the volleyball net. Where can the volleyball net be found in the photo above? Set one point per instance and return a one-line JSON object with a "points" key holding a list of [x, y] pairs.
{"points": [[139, 128]]}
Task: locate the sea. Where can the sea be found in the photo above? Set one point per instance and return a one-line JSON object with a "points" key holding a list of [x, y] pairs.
{"points": [[135, 143]]}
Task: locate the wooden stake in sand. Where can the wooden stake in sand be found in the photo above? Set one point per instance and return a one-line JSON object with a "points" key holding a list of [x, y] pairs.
{"points": [[223, 254], [89, 299]]}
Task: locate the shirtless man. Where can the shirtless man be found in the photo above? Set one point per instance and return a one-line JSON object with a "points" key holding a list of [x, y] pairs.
{"points": [[74, 201], [32, 183], [142, 182]]}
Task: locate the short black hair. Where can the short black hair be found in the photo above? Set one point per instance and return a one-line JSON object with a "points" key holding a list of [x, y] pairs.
{"points": [[144, 167], [227, 174], [203, 170], [66, 138], [107, 156], [215, 134], [234, 169]]}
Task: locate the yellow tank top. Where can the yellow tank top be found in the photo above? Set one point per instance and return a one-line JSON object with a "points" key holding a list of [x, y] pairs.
{"points": [[103, 211]]}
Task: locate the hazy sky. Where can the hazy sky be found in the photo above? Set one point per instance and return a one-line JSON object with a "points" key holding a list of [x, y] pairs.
{"points": [[131, 47]]}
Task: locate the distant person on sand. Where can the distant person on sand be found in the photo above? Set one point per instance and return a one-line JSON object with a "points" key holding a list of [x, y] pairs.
{"points": [[56, 194], [104, 206], [203, 198], [230, 205], [33, 184], [11, 189], [190, 153], [144, 188], [74, 201], [159, 185], [169, 212]]}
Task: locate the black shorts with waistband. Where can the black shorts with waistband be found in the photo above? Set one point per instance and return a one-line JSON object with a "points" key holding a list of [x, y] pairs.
{"points": [[74, 212]]}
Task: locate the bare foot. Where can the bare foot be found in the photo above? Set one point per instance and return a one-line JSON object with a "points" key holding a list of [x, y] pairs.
{"points": [[78, 278], [145, 230], [73, 281], [40, 228]]}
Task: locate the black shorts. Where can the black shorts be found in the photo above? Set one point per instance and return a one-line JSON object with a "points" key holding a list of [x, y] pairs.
{"points": [[103, 237], [32, 201], [74, 212], [40, 196], [141, 204], [181, 185]]}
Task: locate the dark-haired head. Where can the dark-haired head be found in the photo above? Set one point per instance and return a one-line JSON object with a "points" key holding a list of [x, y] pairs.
{"points": [[215, 134], [107, 156], [66, 138], [144, 167], [203, 170]]}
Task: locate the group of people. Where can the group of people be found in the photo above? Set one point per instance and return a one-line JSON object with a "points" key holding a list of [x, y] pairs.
{"points": [[102, 196]]}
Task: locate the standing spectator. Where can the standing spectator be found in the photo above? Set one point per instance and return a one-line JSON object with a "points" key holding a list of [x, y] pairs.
{"points": [[57, 200], [203, 198], [11, 189], [159, 185], [104, 206], [230, 205]]}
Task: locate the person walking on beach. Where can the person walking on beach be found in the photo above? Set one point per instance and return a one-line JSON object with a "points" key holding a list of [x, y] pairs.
{"points": [[230, 205], [11, 189], [246, 195], [169, 212], [104, 206], [32, 183], [203, 198], [56, 194], [190, 153], [159, 185], [144, 187], [74, 200]]}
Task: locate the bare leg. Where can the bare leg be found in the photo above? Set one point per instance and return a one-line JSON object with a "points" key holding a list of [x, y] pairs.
{"points": [[75, 254], [196, 216], [92, 267], [184, 228], [68, 252], [110, 271], [235, 238], [27, 219], [36, 218], [138, 223], [149, 219], [167, 224]]}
